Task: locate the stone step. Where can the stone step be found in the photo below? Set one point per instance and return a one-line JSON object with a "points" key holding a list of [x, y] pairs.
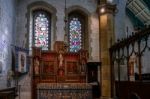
{"points": [[24, 95], [25, 88]]}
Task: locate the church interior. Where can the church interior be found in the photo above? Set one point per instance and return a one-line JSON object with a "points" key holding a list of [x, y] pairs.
{"points": [[74, 49]]}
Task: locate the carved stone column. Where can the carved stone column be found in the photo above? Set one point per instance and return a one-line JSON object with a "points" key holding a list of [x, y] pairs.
{"points": [[106, 13]]}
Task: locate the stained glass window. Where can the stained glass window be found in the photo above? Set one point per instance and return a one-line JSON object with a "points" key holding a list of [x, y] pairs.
{"points": [[41, 35], [75, 34]]}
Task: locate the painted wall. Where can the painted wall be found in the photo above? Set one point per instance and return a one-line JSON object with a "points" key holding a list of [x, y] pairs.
{"points": [[7, 34]]}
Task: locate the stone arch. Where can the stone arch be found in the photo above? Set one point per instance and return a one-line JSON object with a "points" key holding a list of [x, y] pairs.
{"points": [[79, 8], [43, 6]]}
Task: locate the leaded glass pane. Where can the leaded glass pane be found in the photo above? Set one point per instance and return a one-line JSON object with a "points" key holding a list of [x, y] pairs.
{"points": [[41, 31], [75, 35]]}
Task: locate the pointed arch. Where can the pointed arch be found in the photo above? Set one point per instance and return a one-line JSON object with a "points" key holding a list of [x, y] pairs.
{"points": [[48, 13], [77, 28]]}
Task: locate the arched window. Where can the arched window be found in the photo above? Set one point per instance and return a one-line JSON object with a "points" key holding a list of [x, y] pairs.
{"points": [[77, 22], [41, 29]]}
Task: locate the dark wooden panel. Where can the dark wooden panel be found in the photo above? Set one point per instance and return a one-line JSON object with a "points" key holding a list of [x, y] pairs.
{"points": [[125, 89], [8, 93], [92, 68]]}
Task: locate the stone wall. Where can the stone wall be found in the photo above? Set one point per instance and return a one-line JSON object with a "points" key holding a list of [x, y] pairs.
{"points": [[93, 24], [120, 19], [7, 32]]}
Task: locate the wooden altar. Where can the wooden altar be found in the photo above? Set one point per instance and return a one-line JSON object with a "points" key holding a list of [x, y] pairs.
{"points": [[58, 66]]}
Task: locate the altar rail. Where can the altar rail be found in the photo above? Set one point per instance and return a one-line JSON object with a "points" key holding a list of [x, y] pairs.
{"points": [[64, 91]]}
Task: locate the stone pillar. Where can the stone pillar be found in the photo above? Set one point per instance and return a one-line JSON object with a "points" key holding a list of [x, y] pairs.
{"points": [[106, 19]]}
